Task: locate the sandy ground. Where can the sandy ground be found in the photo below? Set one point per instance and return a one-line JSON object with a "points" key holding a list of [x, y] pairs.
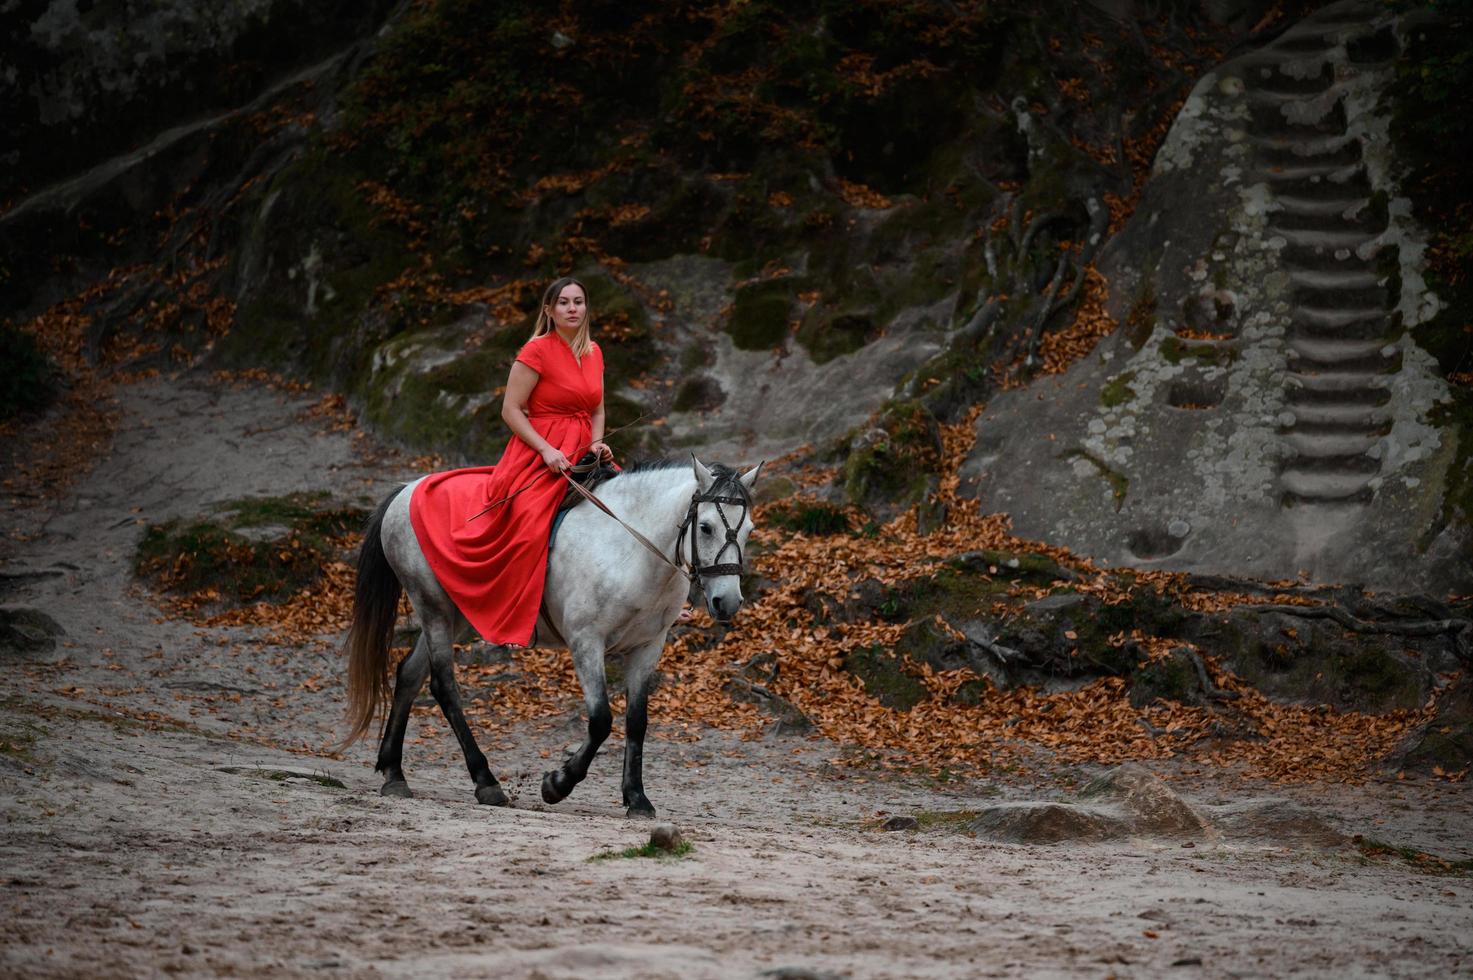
{"points": [[142, 837]]}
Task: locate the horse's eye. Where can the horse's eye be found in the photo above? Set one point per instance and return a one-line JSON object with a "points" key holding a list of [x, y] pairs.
{"points": [[705, 528]]}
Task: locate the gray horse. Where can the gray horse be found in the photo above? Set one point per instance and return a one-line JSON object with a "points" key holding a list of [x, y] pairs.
{"points": [[605, 593]]}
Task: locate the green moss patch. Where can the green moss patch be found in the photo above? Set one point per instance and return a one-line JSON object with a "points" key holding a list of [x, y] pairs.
{"points": [[761, 314], [223, 560], [809, 517], [1117, 391], [27, 382], [1174, 350], [885, 678], [647, 850], [897, 460]]}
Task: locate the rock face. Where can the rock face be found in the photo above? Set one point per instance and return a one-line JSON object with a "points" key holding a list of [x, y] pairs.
{"points": [[1264, 408]]}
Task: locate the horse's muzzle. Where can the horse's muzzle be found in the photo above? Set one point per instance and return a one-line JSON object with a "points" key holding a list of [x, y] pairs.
{"points": [[722, 608]]}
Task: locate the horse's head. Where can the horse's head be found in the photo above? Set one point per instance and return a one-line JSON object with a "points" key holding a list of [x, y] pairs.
{"points": [[720, 520]]}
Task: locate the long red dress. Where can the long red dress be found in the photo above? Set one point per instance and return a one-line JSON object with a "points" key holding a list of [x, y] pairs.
{"points": [[493, 565]]}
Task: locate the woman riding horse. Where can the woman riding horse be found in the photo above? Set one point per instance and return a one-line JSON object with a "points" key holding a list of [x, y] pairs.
{"points": [[484, 530], [471, 548]]}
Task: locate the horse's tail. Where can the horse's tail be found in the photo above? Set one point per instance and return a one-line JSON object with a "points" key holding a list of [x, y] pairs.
{"points": [[375, 607]]}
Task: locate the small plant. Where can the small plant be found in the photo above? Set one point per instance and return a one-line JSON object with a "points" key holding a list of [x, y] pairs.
{"points": [[649, 849]]}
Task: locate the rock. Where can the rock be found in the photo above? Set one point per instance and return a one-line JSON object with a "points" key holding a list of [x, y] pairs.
{"points": [[1150, 805], [667, 837], [1047, 823], [1274, 821], [901, 823], [27, 634]]}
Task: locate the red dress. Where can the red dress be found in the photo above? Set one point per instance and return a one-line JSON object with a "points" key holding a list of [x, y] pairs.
{"points": [[493, 565]]}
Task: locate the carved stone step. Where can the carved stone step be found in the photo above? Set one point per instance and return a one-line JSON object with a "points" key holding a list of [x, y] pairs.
{"points": [[1357, 298], [1365, 396], [1311, 354], [1350, 385], [1268, 117], [1347, 207], [1327, 238], [1327, 486], [1267, 79], [1340, 151], [1349, 464], [1374, 254], [1330, 445], [1307, 43], [1366, 419], [1370, 223], [1378, 328], [1357, 277], [1314, 181]]}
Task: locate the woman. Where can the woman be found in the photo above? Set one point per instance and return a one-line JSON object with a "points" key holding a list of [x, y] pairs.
{"points": [[484, 530]]}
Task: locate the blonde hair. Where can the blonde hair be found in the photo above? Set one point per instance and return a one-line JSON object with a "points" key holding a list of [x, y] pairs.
{"points": [[582, 343]]}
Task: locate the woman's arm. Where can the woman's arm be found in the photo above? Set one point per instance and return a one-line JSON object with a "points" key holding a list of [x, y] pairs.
{"points": [[598, 445], [519, 385]]}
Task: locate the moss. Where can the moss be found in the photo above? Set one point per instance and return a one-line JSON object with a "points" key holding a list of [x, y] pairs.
{"points": [[1117, 391], [317, 207], [1140, 322], [1173, 678], [944, 819], [827, 336], [1174, 349], [809, 517], [700, 393], [28, 381], [885, 678], [897, 460], [760, 314], [191, 557]]}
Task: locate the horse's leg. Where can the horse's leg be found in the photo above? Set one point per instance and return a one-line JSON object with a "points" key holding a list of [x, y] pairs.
{"points": [[407, 684], [447, 692], [639, 670], [588, 661]]}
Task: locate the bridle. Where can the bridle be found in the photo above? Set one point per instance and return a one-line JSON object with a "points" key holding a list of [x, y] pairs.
{"points": [[694, 572], [687, 526]]}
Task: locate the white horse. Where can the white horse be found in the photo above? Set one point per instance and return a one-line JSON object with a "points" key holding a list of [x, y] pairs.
{"points": [[605, 593]]}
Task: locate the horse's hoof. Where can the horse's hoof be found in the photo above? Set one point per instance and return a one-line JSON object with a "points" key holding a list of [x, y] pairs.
{"points": [[639, 806], [552, 792], [491, 795], [396, 788]]}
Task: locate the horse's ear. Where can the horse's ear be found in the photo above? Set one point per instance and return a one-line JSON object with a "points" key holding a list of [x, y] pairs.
{"points": [[704, 479], [749, 478]]}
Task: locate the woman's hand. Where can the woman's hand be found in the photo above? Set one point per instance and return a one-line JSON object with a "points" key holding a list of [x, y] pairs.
{"points": [[555, 460], [604, 452]]}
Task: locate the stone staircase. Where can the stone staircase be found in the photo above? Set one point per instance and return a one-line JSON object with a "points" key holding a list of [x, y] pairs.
{"points": [[1341, 336]]}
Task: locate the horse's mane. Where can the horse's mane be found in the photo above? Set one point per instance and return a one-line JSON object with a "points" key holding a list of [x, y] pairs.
{"points": [[726, 477]]}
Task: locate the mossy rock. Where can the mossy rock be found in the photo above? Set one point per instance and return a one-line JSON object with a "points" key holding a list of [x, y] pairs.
{"points": [[28, 381], [27, 633], [885, 678], [895, 462], [701, 393], [226, 557], [1174, 349], [811, 517], [319, 246], [1447, 742], [1172, 678], [761, 313], [830, 335], [1117, 391]]}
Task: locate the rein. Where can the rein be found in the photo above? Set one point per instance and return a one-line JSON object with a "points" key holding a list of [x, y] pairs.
{"points": [[692, 570]]}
